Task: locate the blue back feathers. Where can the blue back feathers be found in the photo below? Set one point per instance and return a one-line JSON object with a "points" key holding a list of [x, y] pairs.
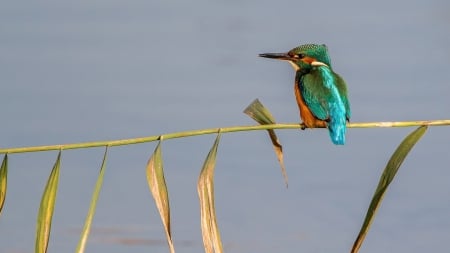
{"points": [[337, 116], [321, 94]]}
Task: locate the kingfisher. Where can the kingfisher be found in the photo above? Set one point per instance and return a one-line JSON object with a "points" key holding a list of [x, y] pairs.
{"points": [[321, 93]]}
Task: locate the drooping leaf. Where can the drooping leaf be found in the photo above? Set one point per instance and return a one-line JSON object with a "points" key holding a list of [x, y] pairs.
{"points": [[205, 188], [386, 178], [259, 113], [158, 188], [262, 115], [46, 208], [87, 225], [3, 181]]}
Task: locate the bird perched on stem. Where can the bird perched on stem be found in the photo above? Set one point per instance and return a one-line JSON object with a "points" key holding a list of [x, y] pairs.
{"points": [[321, 93]]}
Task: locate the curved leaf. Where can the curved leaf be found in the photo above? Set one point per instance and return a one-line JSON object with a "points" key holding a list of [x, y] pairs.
{"points": [[3, 181], [386, 178], [262, 115], [44, 221], [87, 225], [205, 188], [158, 188]]}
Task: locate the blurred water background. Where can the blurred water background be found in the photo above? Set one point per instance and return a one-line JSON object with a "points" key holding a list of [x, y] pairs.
{"points": [[74, 71]]}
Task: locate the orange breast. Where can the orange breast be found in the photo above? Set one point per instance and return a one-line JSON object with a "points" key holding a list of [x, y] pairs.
{"points": [[306, 115]]}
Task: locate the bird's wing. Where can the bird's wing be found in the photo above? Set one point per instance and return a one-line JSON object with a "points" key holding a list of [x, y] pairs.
{"points": [[320, 96], [315, 95]]}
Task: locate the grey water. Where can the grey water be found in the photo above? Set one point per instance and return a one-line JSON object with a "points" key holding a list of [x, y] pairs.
{"points": [[101, 70]]}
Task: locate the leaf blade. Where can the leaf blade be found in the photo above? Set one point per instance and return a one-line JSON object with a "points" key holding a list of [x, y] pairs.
{"points": [[46, 208], [205, 189], [386, 178], [158, 188], [262, 115], [3, 181], [90, 215]]}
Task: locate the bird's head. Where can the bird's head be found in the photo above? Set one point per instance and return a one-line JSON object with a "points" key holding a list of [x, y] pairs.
{"points": [[304, 57]]}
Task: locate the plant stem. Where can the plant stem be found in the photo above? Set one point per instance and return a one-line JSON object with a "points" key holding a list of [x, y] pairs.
{"points": [[211, 131]]}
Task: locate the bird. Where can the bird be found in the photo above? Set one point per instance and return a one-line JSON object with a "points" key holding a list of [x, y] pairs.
{"points": [[320, 92]]}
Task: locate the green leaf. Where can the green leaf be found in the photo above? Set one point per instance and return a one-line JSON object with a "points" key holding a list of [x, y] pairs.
{"points": [[205, 188], [158, 188], [386, 178], [262, 115], [87, 225], [3, 181], [44, 219]]}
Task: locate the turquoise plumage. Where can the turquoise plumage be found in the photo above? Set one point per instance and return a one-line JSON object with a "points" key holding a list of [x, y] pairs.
{"points": [[321, 93]]}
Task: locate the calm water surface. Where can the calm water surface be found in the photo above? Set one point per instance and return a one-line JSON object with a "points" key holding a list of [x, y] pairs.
{"points": [[96, 70]]}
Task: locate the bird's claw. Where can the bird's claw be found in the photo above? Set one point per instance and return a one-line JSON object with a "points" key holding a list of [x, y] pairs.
{"points": [[302, 126]]}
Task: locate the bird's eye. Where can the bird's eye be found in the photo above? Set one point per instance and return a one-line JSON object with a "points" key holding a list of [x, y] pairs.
{"points": [[300, 56]]}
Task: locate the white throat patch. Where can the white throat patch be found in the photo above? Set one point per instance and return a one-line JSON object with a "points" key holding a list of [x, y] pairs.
{"points": [[314, 63], [296, 68]]}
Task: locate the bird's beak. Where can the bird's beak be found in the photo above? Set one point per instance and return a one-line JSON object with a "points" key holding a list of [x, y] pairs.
{"points": [[277, 56]]}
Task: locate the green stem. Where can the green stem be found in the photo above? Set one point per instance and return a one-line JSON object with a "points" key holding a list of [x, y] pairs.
{"points": [[211, 131]]}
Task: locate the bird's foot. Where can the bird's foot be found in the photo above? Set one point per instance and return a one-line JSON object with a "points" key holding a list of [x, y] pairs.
{"points": [[303, 126]]}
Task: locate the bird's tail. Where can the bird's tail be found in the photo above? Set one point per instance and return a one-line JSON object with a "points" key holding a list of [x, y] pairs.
{"points": [[337, 127]]}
